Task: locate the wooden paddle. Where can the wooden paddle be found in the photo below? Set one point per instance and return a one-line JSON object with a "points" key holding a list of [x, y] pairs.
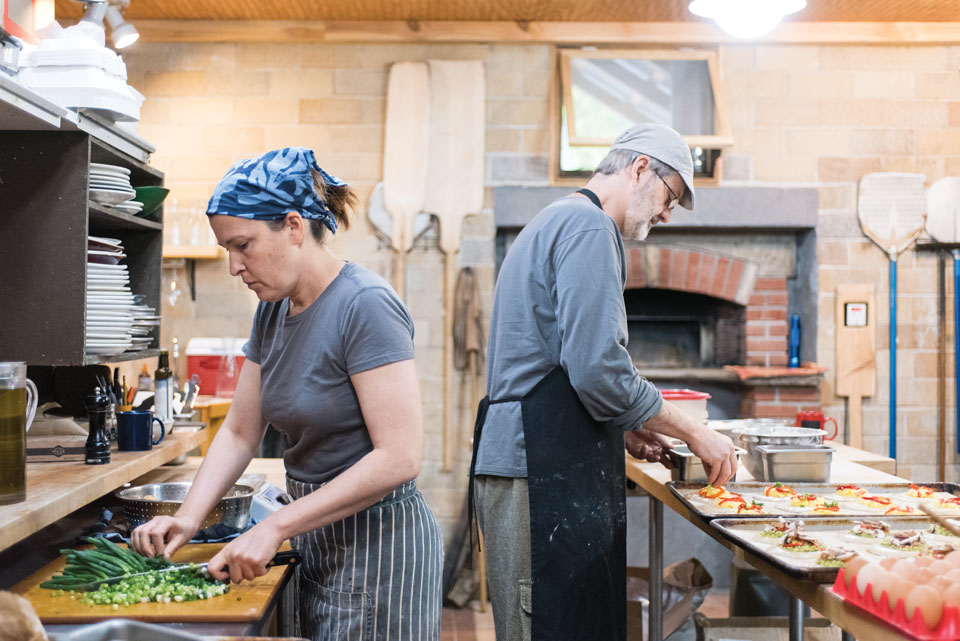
{"points": [[892, 209], [943, 224], [405, 157], [454, 183], [856, 357]]}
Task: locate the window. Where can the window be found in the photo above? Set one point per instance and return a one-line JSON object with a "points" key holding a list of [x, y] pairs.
{"points": [[603, 92]]}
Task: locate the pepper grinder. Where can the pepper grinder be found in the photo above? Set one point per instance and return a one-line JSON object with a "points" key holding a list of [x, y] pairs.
{"points": [[97, 449]]}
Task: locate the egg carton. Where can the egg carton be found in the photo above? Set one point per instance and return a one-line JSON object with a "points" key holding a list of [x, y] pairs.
{"points": [[914, 627]]}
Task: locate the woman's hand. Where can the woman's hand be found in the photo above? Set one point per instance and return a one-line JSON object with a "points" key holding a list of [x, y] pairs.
{"points": [[246, 557], [163, 535]]}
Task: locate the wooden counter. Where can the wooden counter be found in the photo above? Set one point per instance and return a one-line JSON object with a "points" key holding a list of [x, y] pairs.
{"points": [[271, 467], [57, 489], [653, 478], [868, 459]]}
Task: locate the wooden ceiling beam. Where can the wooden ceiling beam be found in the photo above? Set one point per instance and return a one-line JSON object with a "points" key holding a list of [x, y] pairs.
{"points": [[619, 33]]}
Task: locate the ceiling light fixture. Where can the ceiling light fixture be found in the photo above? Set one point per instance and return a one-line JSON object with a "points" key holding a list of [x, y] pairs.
{"points": [[122, 33], [746, 18]]}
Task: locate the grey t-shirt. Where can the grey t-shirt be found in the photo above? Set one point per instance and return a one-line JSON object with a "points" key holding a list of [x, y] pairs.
{"points": [[358, 323], [559, 301]]}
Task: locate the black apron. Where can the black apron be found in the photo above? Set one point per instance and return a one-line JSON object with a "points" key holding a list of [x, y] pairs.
{"points": [[578, 515]]}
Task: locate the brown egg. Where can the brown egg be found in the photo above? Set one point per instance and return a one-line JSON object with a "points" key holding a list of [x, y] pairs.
{"points": [[905, 569], [940, 567], [940, 583], [852, 567], [900, 592], [922, 561], [928, 601], [883, 582], [951, 596], [888, 563], [868, 575], [922, 576]]}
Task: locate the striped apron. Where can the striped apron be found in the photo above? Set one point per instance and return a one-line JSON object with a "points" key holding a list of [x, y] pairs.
{"points": [[375, 575]]}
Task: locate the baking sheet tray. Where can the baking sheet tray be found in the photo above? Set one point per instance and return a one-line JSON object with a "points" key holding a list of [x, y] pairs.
{"points": [[831, 531], [850, 508]]}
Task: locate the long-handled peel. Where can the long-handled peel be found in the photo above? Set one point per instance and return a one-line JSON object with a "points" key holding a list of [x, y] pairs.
{"points": [[892, 210]]}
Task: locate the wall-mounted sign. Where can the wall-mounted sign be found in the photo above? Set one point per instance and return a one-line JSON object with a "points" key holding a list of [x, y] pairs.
{"points": [[855, 314]]}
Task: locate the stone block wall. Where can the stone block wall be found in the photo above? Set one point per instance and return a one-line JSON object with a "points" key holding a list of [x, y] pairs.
{"points": [[823, 116], [817, 116], [211, 105]]}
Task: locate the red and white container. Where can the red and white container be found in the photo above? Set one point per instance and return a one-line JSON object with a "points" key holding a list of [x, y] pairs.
{"points": [[688, 401], [205, 355]]}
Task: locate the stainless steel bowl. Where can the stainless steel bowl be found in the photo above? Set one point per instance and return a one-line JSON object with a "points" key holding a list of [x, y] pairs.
{"points": [[142, 503], [750, 436]]}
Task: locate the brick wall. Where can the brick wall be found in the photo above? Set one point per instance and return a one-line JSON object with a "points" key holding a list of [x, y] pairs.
{"points": [[778, 401], [811, 115]]}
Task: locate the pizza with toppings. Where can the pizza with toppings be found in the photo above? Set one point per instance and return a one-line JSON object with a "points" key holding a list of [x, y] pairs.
{"points": [[779, 491]]}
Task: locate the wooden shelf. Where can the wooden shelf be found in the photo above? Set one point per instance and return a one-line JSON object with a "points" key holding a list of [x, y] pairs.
{"points": [[57, 489], [96, 359], [193, 252], [103, 217]]}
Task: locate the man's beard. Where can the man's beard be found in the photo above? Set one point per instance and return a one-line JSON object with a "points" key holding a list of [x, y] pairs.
{"points": [[641, 232]]}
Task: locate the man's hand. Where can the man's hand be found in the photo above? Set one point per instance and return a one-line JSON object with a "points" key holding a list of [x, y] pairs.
{"points": [[717, 453], [650, 446]]}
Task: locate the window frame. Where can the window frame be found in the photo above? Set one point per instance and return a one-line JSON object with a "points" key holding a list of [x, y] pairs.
{"points": [[561, 98]]}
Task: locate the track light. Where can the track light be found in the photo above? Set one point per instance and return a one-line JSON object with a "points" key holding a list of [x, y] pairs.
{"points": [[122, 33]]}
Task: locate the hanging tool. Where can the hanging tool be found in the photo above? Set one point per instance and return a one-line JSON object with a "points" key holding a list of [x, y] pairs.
{"points": [[382, 221], [943, 224], [454, 178], [892, 211], [468, 349], [405, 157]]}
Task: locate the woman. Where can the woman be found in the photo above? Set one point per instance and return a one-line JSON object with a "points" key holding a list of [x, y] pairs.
{"points": [[330, 364]]}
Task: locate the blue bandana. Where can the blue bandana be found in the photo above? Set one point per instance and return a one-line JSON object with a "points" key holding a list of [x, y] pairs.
{"points": [[269, 186]]}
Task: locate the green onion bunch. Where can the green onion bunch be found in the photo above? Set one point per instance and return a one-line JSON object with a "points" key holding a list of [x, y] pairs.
{"points": [[105, 560]]}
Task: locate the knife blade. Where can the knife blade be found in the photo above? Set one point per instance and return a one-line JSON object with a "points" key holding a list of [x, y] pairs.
{"points": [[287, 557]]}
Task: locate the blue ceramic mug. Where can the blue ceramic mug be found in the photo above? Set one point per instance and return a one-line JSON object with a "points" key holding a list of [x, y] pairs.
{"points": [[135, 430]]}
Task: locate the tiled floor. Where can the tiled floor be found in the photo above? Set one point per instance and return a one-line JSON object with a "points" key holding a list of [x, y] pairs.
{"points": [[468, 624]]}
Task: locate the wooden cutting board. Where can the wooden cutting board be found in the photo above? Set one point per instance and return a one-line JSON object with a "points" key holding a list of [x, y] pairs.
{"points": [[245, 602]]}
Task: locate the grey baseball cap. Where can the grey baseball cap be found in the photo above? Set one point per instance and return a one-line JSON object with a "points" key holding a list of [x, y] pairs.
{"points": [[667, 146]]}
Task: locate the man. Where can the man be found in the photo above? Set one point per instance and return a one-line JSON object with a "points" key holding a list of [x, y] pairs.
{"points": [[564, 398]]}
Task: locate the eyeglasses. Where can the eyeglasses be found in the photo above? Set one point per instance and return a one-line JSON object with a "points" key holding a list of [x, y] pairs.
{"points": [[674, 199]]}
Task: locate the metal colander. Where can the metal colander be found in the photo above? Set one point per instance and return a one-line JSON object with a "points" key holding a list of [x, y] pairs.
{"points": [[142, 503]]}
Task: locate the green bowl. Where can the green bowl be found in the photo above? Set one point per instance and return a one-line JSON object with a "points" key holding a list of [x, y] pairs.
{"points": [[151, 197]]}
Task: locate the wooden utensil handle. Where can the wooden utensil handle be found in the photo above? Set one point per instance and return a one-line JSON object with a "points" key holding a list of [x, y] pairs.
{"points": [[939, 520]]}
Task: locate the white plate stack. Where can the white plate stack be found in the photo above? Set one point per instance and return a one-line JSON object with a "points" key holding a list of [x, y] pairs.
{"points": [[110, 185], [145, 318], [109, 300]]}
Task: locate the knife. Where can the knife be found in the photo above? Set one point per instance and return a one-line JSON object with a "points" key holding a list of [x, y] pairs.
{"points": [[288, 557]]}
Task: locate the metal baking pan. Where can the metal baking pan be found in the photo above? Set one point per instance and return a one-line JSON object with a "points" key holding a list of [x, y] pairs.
{"points": [[792, 464], [830, 530], [753, 489], [127, 630], [687, 466]]}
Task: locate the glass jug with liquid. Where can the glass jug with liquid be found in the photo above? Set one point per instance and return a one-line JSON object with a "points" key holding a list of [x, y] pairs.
{"points": [[18, 404]]}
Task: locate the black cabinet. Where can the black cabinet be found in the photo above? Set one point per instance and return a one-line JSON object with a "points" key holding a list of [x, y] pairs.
{"points": [[45, 218]]}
